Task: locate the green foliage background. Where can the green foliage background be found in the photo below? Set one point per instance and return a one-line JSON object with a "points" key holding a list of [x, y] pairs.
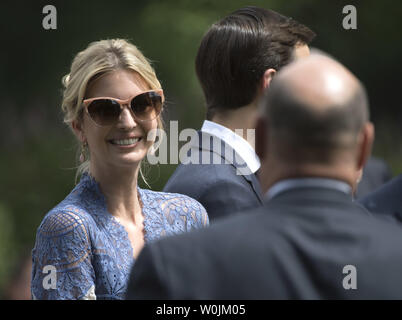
{"points": [[38, 152]]}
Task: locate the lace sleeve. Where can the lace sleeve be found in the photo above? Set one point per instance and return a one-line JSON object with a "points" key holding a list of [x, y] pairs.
{"points": [[61, 259], [191, 211], [198, 215]]}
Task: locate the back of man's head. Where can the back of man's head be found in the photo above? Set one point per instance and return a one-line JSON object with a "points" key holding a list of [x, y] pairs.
{"points": [[316, 114], [237, 50]]}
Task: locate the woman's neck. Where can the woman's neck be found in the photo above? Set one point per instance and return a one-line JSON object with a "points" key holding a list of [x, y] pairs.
{"points": [[119, 186]]}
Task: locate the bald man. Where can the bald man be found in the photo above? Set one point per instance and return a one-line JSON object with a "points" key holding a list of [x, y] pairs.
{"points": [[310, 240]]}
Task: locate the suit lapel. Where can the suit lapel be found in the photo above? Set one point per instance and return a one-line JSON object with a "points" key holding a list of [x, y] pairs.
{"points": [[253, 180], [208, 142]]}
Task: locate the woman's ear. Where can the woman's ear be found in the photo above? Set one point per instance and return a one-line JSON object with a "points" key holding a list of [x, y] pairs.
{"points": [[78, 130]]}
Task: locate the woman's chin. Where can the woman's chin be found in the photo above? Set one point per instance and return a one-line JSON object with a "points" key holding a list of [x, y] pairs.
{"points": [[129, 160]]}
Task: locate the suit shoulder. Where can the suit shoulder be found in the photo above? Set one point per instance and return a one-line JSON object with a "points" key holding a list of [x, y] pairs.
{"points": [[386, 199], [194, 179], [213, 238], [203, 175], [377, 164]]}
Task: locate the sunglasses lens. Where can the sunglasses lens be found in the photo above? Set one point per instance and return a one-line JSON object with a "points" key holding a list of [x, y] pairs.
{"points": [[147, 106], [104, 111]]}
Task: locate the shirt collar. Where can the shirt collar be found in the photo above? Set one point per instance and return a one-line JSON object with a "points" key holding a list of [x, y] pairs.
{"points": [[236, 142], [288, 184]]}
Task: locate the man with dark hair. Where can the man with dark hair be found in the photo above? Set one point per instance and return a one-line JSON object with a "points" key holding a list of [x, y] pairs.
{"points": [[236, 61], [310, 240]]}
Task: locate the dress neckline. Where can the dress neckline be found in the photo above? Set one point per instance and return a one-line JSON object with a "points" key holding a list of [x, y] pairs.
{"points": [[90, 183]]}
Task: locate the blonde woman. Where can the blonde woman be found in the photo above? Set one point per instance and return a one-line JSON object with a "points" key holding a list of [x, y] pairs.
{"points": [[86, 245]]}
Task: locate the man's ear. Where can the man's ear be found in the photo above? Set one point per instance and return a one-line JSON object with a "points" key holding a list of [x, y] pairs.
{"points": [[78, 130], [267, 78], [365, 144], [261, 137]]}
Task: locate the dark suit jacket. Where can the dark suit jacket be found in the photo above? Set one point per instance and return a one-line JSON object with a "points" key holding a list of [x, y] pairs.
{"points": [[375, 174], [217, 187], [293, 248], [387, 200]]}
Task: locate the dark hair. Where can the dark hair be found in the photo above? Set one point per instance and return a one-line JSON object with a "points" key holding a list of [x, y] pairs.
{"points": [[237, 50]]}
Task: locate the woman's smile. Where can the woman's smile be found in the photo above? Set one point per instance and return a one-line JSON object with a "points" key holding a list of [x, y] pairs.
{"points": [[125, 142]]}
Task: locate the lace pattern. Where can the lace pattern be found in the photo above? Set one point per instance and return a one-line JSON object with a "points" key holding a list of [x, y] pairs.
{"points": [[91, 250]]}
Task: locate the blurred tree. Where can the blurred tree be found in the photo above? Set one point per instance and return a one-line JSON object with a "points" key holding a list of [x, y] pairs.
{"points": [[39, 152], [7, 247]]}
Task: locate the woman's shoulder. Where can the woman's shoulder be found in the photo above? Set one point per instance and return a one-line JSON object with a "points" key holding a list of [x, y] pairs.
{"points": [[65, 218], [63, 241], [171, 198], [74, 211], [179, 204]]}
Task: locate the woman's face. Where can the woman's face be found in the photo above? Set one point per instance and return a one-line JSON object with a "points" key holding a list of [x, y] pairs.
{"points": [[105, 143]]}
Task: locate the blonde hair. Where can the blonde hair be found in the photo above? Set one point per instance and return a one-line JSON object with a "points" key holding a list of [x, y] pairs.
{"points": [[97, 59]]}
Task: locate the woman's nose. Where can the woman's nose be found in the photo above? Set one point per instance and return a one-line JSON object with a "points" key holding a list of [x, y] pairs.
{"points": [[126, 119]]}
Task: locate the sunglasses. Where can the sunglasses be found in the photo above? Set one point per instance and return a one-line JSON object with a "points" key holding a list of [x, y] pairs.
{"points": [[105, 111]]}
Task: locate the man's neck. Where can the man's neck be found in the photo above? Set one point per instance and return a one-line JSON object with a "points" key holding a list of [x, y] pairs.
{"points": [[238, 120], [268, 177]]}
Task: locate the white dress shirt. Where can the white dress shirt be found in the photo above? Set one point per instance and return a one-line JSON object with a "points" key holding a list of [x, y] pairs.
{"points": [[236, 142]]}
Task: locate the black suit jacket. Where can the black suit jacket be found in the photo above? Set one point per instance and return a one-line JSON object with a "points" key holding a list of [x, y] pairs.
{"points": [[375, 174], [217, 184], [387, 200], [296, 247]]}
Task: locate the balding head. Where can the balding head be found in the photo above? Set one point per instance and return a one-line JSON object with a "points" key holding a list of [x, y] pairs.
{"points": [[319, 82], [315, 120], [316, 105]]}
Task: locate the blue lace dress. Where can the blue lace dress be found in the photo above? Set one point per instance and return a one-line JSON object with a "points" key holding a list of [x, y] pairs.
{"points": [[89, 250]]}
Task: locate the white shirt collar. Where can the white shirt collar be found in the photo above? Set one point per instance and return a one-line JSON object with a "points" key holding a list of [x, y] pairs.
{"points": [[287, 184], [236, 142]]}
